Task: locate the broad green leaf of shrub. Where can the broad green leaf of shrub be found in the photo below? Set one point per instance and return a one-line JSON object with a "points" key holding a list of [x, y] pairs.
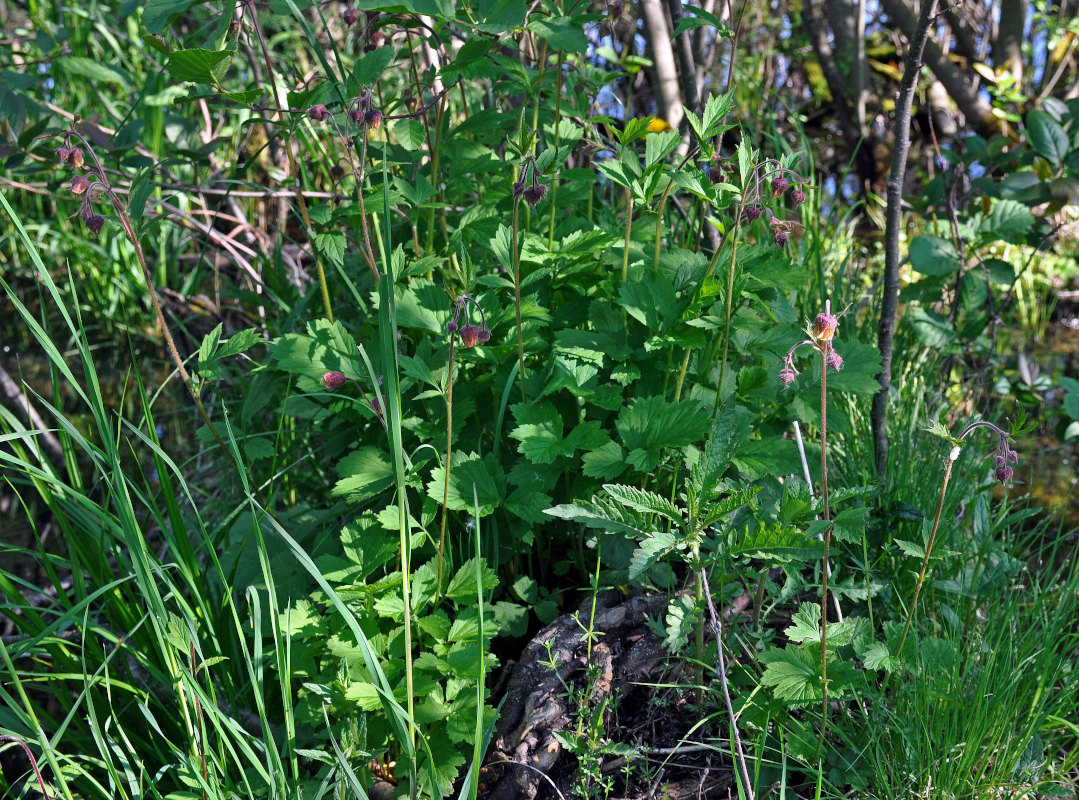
{"points": [[563, 34], [326, 347], [1047, 137], [370, 66], [933, 329], [654, 423], [1008, 220], [156, 13], [931, 255]]}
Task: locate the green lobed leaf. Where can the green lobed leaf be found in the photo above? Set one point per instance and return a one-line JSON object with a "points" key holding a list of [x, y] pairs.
{"points": [[654, 423], [469, 470], [793, 674], [196, 65]]}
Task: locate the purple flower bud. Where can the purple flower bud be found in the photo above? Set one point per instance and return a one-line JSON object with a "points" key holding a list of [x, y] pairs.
{"points": [[753, 213], [94, 223], [79, 184], [451, 327], [373, 118], [533, 194], [337, 172], [350, 16], [518, 189], [798, 196], [63, 154], [780, 236], [319, 113], [787, 376], [485, 335], [470, 335], [334, 380], [1004, 474], [75, 159], [356, 113], [779, 186], [1013, 457], [716, 174], [835, 361]]}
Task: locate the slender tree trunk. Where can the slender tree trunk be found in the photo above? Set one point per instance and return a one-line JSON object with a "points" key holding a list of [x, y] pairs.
{"points": [[977, 110], [890, 300], [658, 35], [1008, 46], [687, 70]]}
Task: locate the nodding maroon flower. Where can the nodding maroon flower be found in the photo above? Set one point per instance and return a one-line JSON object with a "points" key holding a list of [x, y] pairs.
{"points": [[63, 154], [319, 113], [518, 189], [798, 196], [716, 174], [781, 234], [753, 213], [1004, 473], [334, 380], [337, 172], [350, 16], [835, 361], [470, 335], [79, 184], [824, 327], [787, 376], [372, 118], [451, 327], [76, 159], [534, 193], [376, 39], [779, 186], [485, 335], [356, 113], [94, 223]]}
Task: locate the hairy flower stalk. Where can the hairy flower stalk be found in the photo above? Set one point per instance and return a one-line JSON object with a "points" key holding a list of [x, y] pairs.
{"points": [[1002, 459], [470, 335], [820, 338], [531, 194]]}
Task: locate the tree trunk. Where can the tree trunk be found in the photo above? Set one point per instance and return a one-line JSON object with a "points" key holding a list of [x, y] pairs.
{"points": [[890, 300], [1008, 47], [977, 110], [658, 36]]}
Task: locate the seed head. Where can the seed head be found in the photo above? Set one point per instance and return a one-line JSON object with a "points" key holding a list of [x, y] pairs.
{"points": [[334, 380], [779, 186], [534, 193], [835, 361], [798, 196], [1004, 473], [787, 376], [451, 327], [94, 223], [350, 16], [780, 234], [753, 213], [319, 113], [485, 335]]}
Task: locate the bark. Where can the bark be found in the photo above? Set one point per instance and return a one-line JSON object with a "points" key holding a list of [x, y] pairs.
{"points": [[665, 86], [1008, 46], [977, 111], [894, 213], [687, 70], [849, 54]]}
